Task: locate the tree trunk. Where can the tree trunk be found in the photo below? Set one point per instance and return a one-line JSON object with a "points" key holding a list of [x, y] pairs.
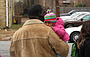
{"points": [[57, 8]]}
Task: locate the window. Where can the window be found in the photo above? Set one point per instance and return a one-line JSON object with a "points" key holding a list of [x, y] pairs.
{"points": [[86, 17]]}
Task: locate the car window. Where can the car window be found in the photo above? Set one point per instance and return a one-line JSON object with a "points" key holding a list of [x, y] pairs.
{"points": [[74, 14], [81, 14], [78, 17], [86, 17], [71, 12]]}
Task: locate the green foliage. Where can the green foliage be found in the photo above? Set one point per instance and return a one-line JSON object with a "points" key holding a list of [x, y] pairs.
{"points": [[80, 5], [60, 5], [74, 52], [65, 5], [25, 15], [16, 26]]}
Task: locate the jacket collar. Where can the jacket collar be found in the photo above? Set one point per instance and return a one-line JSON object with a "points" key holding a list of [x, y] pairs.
{"points": [[32, 21]]}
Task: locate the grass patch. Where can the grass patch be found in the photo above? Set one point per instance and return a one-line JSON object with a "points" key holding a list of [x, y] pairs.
{"points": [[16, 26]]}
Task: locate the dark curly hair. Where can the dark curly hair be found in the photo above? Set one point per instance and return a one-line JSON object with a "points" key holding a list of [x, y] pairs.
{"points": [[35, 10], [84, 34]]}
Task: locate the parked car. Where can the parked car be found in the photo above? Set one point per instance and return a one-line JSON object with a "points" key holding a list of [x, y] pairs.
{"points": [[73, 33], [74, 15], [77, 21], [73, 11]]}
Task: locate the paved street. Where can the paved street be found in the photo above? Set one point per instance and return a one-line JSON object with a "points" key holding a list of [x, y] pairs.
{"points": [[70, 47], [4, 49]]}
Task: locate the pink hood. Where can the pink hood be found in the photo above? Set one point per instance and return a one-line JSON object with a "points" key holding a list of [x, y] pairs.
{"points": [[59, 22], [60, 30]]}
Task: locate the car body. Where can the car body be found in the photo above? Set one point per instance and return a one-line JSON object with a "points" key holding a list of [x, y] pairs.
{"points": [[77, 21], [74, 15], [73, 11], [73, 33]]}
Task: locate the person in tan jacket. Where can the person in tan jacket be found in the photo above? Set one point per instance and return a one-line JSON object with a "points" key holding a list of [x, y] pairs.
{"points": [[35, 39]]}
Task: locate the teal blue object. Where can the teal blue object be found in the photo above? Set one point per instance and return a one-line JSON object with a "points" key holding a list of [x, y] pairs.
{"points": [[58, 55]]}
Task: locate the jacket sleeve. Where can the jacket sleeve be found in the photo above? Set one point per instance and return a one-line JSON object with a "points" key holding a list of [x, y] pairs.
{"points": [[12, 49], [60, 31], [58, 45]]}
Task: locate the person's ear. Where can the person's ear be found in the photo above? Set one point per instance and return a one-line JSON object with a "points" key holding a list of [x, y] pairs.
{"points": [[38, 14]]}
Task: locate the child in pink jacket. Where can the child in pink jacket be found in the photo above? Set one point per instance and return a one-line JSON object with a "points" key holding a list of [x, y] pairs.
{"points": [[60, 30], [57, 24]]}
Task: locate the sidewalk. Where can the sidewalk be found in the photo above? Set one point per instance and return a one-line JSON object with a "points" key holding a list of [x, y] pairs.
{"points": [[4, 48]]}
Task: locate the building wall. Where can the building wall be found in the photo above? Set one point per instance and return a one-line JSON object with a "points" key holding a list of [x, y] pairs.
{"points": [[3, 13], [10, 14], [48, 4], [68, 9], [86, 2], [18, 0]]}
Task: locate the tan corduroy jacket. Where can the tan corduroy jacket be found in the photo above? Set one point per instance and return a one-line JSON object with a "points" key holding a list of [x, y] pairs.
{"points": [[35, 39]]}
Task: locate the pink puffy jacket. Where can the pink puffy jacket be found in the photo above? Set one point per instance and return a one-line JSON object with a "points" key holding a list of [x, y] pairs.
{"points": [[60, 30]]}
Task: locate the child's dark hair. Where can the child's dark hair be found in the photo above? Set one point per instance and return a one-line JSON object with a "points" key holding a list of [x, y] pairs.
{"points": [[35, 10]]}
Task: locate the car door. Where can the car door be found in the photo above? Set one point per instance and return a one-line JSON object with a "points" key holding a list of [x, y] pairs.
{"points": [[81, 21], [77, 23]]}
